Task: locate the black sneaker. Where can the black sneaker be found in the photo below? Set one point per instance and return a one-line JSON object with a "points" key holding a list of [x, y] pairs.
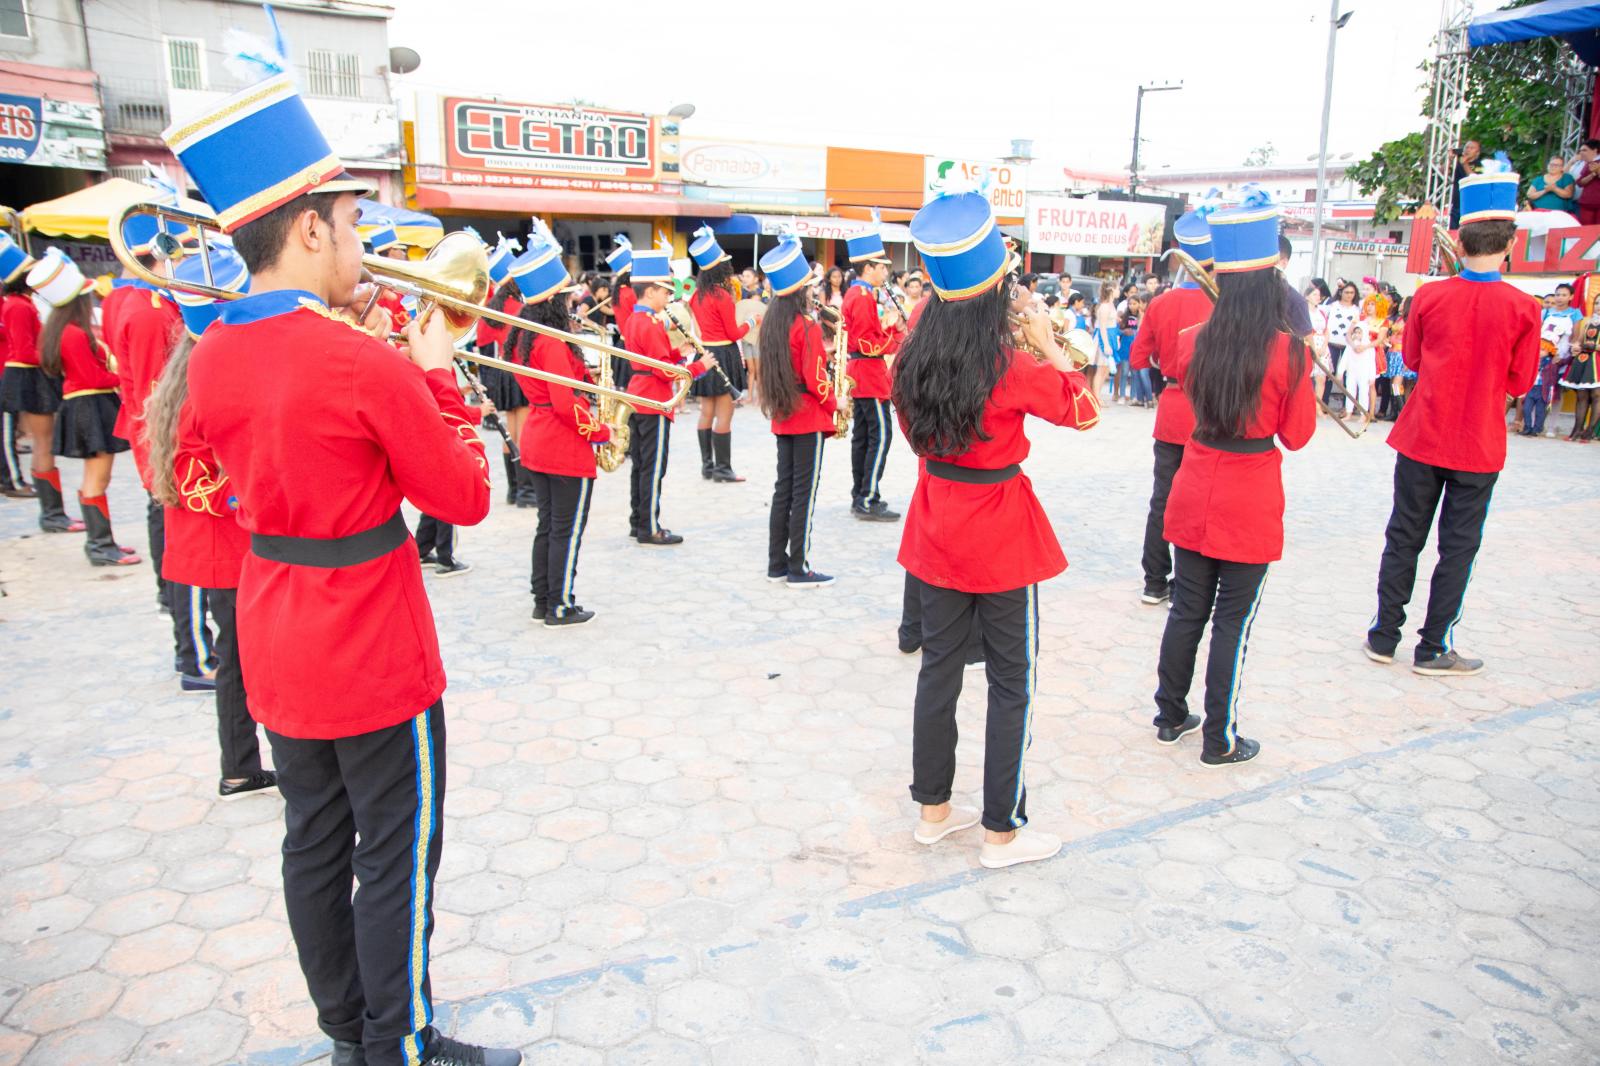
{"points": [[1447, 665], [1154, 597], [1374, 654], [539, 611], [197, 683], [809, 580], [778, 575], [1171, 734], [880, 512], [1243, 751], [252, 783], [568, 616], [442, 1051], [348, 1053], [427, 559], [453, 567], [910, 647], [660, 539], [859, 509]]}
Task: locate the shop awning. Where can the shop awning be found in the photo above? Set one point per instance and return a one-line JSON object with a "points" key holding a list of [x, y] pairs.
{"points": [[410, 227], [88, 212], [564, 202], [1575, 20]]}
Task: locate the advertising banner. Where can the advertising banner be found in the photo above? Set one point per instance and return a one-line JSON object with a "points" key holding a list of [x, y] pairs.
{"points": [[1062, 225], [754, 175], [560, 146], [1007, 188], [43, 132]]}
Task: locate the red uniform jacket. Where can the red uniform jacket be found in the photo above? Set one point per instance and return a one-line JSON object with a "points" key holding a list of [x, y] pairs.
{"points": [[994, 538], [205, 544], [83, 364], [19, 330], [817, 402], [645, 335], [1230, 506], [622, 306], [869, 342], [122, 290], [494, 332], [713, 310], [141, 332], [561, 431], [1154, 347], [322, 430], [1473, 341], [389, 300]]}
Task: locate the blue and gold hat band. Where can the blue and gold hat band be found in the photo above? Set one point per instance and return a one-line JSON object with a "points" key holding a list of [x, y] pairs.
{"points": [[1489, 197], [1245, 239], [539, 273], [227, 272], [786, 267], [653, 267], [866, 247], [963, 250], [14, 262], [705, 251]]}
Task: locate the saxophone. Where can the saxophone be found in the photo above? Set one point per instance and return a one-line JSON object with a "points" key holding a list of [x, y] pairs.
{"points": [[844, 404], [614, 413]]}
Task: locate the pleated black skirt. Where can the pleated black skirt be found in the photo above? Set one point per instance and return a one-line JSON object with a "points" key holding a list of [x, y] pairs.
{"points": [[84, 426], [732, 363], [27, 390]]}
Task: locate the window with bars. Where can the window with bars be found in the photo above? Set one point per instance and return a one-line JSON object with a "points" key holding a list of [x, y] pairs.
{"points": [[186, 63], [333, 73], [14, 18]]}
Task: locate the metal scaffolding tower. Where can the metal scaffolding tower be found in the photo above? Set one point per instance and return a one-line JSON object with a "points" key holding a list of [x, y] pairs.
{"points": [[1449, 103]]}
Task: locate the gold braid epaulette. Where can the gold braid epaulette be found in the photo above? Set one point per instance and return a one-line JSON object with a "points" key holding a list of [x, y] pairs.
{"points": [[199, 488], [333, 316]]}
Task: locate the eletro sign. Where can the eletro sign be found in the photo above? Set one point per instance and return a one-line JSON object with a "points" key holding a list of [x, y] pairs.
{"points": [[558, 140]]}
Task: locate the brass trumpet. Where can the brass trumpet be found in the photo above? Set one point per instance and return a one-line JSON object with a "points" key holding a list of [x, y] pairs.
{"points": [[1077, 343], [1449, 258], [452, 280], [1197, 273]]}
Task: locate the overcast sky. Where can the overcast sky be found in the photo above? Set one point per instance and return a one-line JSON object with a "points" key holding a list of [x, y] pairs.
{"points": [[953, 78]]}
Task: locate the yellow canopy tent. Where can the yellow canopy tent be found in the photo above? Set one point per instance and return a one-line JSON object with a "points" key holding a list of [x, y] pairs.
{"points": [[88, 212]]}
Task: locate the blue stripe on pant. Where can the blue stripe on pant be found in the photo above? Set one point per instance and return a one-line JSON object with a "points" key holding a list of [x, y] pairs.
{"points": [[870, 438], [1010, 627]]}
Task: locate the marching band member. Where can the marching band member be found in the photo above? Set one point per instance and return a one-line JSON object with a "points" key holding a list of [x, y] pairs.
{"points": [[720, 333], [798, 397], [86, 421], [976, 535], [1244, 372], [205, 547], [649, 433], [873, 336], [1154, 348], [27, 392], [620, 260], [560, 436], [1473, 341], [503, 390], [322, 430], [14, 264]]}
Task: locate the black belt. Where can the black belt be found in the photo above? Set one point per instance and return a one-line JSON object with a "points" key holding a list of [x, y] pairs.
{"points": [[332, 552], [864, 355], [1240, 445], [972, 475]]}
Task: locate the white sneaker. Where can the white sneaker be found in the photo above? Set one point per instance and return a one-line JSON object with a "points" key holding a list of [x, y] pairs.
{"points": [[958, 819], [1029, 845]]}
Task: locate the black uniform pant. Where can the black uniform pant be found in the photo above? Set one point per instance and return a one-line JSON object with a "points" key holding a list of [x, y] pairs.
{"points": [[1009, 622], [869, 447], [236, 730], [191, 633], [436, 537], [794, 500], [367, 808], [1157, 553], [911, 621], [563, 502], [1228, 595], [1418, 489], [155, 525], [14, 473], [649, 437]]}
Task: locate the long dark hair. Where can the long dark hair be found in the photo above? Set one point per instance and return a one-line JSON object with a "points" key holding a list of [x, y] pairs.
{"points": [[717, 277], [780, 385], [552, 312], [160, 427], [79, 311], [948, 367], [1230, 353]]}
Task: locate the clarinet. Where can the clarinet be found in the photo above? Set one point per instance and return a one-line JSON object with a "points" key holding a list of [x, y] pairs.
{"points": [[492, 420]]}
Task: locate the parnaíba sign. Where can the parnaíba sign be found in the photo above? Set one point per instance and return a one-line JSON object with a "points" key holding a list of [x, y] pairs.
{"points": [[1064, 225]]}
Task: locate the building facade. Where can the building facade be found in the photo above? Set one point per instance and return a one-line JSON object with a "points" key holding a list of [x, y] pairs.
{"points": [[52, 136]]}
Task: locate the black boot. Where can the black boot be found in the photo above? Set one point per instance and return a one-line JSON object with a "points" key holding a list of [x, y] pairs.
{"points": [[512, 466], [722, 448], [100, 546], [525, 494], [52, 515], [707, 462]]}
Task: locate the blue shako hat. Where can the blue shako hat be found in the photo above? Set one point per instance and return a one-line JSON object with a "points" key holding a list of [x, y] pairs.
{"points": [[786, 266], [1194, 237], [539, 273], [384, 237], [505, 250], [1245, 238], [620, 258], [705, 251], [227, 272], [653, 267], [866, 247], [962, 248], [255, 151], [13, 260], [1489, 197]]}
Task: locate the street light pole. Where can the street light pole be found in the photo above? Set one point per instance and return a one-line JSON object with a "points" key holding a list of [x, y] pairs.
{"points": [[1335, 23], [1138, 116]]}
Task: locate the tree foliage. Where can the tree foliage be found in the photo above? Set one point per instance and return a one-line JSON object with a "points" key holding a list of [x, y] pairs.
{"points": [[1262, 156], [1514, 105]]}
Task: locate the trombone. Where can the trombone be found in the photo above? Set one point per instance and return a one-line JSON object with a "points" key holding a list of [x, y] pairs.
{"points": [[1078, 344], [453, 280]]}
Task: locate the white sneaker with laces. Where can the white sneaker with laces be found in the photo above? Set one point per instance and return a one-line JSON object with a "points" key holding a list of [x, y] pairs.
{"points": [[1029, 845], [958, 819]]}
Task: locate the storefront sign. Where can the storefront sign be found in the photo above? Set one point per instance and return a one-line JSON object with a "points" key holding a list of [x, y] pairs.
{"points": [[836, 229], [1061, 225], [547, 146], [43, 132], [1370, 248], [754, 175], [1006, 188]]}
